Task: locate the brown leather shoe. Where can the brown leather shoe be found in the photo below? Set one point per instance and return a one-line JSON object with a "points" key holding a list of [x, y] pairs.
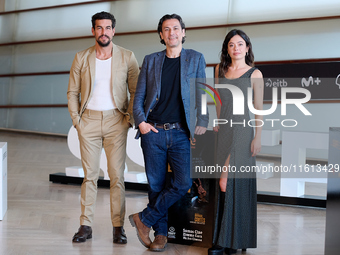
{"points": [[142, 230], [159, 244], [119, 235], [84, 233]]}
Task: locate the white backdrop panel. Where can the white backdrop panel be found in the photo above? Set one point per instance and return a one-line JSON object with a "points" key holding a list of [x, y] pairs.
{"points": [[57, 23], [48, 57], [296, 40], [3, 117], [47, 89], [48, 120], [7, 27], [4, 91], [6, 54], [28, 4], [145, 14], [249, 11]]}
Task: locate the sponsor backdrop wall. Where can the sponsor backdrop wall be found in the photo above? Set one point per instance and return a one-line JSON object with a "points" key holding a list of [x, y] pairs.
{"points": [[283, 41]]}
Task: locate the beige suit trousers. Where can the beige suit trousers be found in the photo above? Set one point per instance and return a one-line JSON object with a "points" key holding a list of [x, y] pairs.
{"points": [[108, 130]]}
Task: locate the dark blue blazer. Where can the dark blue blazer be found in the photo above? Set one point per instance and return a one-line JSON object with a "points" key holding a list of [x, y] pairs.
{"points": [[149, 87]]}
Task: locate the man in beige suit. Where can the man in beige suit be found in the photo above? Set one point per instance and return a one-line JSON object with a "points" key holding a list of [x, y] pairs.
{"points": [[101, 78]]}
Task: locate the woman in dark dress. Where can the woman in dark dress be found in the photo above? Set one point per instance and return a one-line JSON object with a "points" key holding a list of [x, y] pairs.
{"points": [[237, 145]]}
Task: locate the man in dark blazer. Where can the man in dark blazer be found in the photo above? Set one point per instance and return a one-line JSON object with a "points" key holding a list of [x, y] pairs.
{"points": [[166, 122]]}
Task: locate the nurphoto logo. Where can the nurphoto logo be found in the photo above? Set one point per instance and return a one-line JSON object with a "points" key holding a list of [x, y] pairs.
{"points": [[239, 104]]}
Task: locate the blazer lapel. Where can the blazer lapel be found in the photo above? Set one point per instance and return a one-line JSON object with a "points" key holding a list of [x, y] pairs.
{"points": [[159, 60], [92, 64], [184, 67], [116, 60]]}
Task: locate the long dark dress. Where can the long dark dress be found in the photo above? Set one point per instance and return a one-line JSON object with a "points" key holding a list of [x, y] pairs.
{"points": [[239, 218]]}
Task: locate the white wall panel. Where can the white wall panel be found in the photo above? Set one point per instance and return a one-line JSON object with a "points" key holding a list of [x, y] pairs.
{"points": [[50, 120], [57, 23], [208, 42], [4, 91], [145, 14], [47, 89], [7, 28], [141, 45], [48, 57], [263, 10], [6, 59], [289, 41], [28, 4], [4, 113]]}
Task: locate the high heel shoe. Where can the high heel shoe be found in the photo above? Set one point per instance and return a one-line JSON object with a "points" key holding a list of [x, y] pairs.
{"points": [[229, 251], [215, 250]]}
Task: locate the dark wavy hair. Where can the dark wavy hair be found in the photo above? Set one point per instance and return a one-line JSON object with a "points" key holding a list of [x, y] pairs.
{"points": [[166, 17], [225, 58], [103, 15]]}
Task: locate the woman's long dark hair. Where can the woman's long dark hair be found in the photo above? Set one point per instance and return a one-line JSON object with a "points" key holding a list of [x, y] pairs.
{"points": [[225, 58]]}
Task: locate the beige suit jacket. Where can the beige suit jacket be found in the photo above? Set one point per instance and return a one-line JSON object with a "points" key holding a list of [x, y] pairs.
{"points": [[124, 78]]}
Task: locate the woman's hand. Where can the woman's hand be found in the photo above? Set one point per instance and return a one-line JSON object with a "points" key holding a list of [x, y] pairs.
{"points": [[255, 146], [216, 128], [223, 184]]}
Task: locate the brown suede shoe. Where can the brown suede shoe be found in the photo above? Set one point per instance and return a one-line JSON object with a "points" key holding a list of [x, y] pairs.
{"points": [[159, 244], [84, 233], [142, 230]]}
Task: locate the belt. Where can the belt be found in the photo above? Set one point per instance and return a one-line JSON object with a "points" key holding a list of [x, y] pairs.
{"points": [[167, 126], [101, 113]]}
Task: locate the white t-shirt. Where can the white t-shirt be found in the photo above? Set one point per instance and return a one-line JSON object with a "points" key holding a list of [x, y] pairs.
{"points": [[102, 98]]}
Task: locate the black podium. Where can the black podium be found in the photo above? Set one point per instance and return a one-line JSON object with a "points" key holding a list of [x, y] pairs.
{"points": [[191, 219]]}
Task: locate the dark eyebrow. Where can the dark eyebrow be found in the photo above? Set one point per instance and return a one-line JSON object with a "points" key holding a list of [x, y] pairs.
{"points": [[102, 27], [173, 26], [237, 42]]}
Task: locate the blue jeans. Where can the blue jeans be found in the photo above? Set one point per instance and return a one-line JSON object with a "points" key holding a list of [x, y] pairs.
{"points": [[159, 149]]}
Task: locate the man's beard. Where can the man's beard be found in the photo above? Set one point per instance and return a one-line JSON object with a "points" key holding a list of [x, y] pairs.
{"points": [[104, 44]]}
